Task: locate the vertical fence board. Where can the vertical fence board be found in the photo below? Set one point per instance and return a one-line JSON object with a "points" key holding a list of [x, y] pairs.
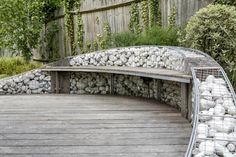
{"points": [[116, 12]]}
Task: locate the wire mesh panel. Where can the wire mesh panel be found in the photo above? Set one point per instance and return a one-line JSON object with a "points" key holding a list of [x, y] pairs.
{"points": [[215, 115]]}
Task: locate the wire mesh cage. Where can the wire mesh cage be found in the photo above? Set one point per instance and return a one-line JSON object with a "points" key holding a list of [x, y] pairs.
{"points": [[215, 114]]}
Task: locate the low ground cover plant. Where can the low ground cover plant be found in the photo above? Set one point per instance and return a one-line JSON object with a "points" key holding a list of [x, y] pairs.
{"points": [[153, 36], [14, 65]]}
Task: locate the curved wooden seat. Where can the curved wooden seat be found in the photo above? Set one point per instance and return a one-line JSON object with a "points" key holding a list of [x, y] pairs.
{"points": [[156, 73], [60, 82]]}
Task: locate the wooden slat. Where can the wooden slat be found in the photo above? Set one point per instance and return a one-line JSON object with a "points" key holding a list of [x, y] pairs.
{"points": [[146, 154], [90, 126], [94, 142], [156, 73], [108, 7], [94, 149]]}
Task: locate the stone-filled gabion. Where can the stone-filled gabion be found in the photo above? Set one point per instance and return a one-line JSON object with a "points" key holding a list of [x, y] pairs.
{"points": [[89, 83], [171, 93], [133, 86], [98, 83], [147, 56], [216, 132], [33, 82]]}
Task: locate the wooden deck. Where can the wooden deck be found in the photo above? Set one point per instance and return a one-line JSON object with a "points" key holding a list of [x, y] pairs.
{"points": [[90, 126]]}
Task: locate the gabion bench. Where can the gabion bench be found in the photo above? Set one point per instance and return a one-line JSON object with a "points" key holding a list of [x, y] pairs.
{"points": [[166, 74], [60, 78]]}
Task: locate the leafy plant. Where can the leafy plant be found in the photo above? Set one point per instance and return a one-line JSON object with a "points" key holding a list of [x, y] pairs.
{"points": [[123, 39], [158, 36], [15, 65], [48, 9], [103, 41], [80, 32], [154, 36], [172, 17], [155, 17], [20, 24], [69, 5], [145, 14], [213, 30], [225, 2], [134, 25]]}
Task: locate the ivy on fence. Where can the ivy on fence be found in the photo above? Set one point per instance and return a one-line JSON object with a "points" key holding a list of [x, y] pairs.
{"points": [[145, 14], [69, 5], [172, 17], [134, 24], [148, 11]]}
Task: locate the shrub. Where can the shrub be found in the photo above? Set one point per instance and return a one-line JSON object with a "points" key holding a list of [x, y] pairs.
{"points": [[213, 30], [225, 2], [158, 36], [12, 66], [123, 39], [153, 36]]}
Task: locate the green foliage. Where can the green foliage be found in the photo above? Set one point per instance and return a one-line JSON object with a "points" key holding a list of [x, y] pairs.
{"points": [[12, 66], [154, 36], [104, 40], [149, 12], [213, 30], [123, 39], [80, 32], [101, 42], [90, 46], [69, 5], [20, 24], [172, 17], [155, 18], [225, 2], [49, 7], [159, 36], [145, 14], [134, 18]]}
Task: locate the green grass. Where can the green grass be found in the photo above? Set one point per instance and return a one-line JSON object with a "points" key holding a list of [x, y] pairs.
{"points": [[123, 39], [159, 36], [154, 36], [10, 66]]}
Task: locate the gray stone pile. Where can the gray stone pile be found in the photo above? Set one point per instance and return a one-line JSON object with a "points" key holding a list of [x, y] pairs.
{"points": [[97, 83], [89, 83], [33, 82], [147, 56], [171, 93], [133, 86], [216, 132]]}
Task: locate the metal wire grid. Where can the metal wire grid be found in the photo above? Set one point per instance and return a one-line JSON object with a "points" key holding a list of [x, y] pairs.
{"points": [[212, 138]]}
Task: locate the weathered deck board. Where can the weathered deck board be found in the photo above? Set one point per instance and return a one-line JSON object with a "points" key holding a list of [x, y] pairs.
{"points": [[90, 126]]}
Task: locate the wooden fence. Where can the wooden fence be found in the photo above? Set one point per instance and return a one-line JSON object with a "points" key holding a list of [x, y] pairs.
{"points": [[116, 12]]}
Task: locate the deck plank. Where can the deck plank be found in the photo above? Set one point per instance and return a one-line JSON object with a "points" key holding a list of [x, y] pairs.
{"points": [[90, 126]]}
